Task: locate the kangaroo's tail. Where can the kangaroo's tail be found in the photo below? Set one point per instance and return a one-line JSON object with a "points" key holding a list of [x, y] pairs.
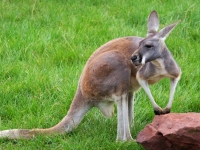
{"points": [[27, 133], [78, 109]]}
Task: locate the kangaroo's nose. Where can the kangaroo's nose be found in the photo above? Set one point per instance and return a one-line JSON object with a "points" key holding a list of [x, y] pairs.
{"points": [[134, 58]]}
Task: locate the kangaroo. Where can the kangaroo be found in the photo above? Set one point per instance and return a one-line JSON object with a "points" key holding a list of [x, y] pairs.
{"points": [[112, 74]]}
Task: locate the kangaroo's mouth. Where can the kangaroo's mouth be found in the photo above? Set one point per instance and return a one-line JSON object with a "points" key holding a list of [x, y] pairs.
{"points": [[137, 60]]}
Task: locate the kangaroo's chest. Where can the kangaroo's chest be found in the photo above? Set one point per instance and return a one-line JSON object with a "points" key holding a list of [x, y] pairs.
{"points": [[154, 72]]}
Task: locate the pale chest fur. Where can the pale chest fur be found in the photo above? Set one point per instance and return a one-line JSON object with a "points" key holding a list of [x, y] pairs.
{"points": [[155, 71]]}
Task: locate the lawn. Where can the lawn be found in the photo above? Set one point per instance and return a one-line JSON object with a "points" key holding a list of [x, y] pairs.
{"points": [[44, 46]]}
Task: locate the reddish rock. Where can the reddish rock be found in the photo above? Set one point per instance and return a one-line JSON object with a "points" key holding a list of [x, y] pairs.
{"points": [[174, 131]]}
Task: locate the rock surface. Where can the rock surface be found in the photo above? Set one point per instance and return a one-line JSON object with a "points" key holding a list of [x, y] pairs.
{"points": [[174, 131]]}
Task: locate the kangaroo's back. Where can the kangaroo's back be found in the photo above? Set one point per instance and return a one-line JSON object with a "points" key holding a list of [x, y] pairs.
{"points": [[109, 69], [124, 45]]}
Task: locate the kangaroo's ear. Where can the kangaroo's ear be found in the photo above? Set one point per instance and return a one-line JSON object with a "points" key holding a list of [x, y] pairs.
{"points": [[153, 23], [164, 33]]}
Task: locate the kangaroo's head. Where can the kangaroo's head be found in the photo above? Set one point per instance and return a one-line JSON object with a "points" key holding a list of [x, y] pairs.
{"points": [[151, 47]]}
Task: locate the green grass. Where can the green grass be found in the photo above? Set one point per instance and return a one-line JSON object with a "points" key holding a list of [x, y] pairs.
{"points": [[44, 46]]}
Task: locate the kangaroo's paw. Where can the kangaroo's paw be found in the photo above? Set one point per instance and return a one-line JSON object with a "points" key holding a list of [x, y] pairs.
{"points": [[158, 111], [166, 111]]}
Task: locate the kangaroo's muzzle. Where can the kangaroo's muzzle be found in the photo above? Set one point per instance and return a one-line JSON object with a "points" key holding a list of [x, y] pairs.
{"points": [[136, 59]]}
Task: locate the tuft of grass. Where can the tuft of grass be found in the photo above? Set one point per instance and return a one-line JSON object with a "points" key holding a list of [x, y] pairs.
{"points": [[44, 46]]}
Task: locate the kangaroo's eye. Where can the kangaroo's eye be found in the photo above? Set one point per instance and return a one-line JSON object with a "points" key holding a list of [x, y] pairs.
{"points": [[148, 46]]}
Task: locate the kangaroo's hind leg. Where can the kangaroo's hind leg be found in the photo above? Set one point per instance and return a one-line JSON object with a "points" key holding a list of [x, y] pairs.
{"points": [[123, 128], [131, 108]]}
